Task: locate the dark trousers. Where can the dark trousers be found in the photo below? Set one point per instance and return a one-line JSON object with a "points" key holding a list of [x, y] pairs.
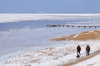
{"points": [[87, 52], [78, 52]]}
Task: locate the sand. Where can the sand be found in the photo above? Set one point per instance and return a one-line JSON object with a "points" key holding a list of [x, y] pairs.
{"points": [[83, 36]]}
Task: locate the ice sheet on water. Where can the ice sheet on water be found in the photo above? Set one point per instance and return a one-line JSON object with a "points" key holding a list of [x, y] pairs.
{"points": [[27, 17]]}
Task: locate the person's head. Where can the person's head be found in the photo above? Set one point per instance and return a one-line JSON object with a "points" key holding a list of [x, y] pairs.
{"points": [[87, 45], [78, 45]]}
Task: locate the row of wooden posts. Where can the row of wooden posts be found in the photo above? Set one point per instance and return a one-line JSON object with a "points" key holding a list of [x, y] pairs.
{"points": [[70, 26]]}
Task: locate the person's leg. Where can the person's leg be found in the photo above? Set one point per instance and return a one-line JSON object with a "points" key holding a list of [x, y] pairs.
{"points": [[79, 52], [88, 52]]}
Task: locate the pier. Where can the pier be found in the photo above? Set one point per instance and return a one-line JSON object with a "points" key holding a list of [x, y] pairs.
{"points": [[71, 26]]}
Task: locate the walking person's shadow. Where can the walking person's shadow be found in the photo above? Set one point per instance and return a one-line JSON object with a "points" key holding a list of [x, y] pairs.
{"points": [[82, 55]]}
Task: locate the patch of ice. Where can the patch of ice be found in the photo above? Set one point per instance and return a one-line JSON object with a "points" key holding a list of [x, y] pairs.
{"points": [[13, 29]]}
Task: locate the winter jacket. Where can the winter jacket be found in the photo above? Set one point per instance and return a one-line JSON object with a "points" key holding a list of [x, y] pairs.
{"points": [[87, 48], [78, 48]]}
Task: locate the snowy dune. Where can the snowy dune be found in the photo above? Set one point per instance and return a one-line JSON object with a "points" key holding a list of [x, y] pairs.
{"points": [[57, 56], [27, 17]]}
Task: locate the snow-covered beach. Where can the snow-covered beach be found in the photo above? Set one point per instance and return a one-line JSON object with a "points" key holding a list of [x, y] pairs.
{"points": [[30, 46]]}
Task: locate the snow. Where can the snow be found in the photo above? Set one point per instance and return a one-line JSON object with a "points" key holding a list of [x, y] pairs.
{"points": [[54, 56], [75, 36], [29, 16], [95, 61], [30, 47]]}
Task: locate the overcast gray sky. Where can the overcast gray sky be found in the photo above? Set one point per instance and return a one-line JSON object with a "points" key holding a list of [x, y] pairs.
{"points": [[50, 6]]}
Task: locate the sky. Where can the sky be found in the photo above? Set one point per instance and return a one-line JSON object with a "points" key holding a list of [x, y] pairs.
{"points": [[49, 6]]}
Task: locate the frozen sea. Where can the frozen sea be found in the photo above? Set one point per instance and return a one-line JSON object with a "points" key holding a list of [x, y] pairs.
{"points": [[29, 36]]}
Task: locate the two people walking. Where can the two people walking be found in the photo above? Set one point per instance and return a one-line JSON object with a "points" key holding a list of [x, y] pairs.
{"points": [[79, 49]]}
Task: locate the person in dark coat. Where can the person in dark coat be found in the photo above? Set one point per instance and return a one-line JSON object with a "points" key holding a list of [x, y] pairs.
{"points": [[87, 49], [78, 49]]}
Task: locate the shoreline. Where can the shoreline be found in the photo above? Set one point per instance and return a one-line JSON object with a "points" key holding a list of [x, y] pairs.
{"points": [[83, 36], [55, 56]]}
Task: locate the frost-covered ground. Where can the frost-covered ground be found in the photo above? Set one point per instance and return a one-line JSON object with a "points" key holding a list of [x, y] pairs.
{"points": [[56, 56], [30, 47]]}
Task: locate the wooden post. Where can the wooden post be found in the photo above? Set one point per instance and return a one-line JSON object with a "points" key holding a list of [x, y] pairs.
{"points": [[67, 26], [84, 26], [78, 26]]}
